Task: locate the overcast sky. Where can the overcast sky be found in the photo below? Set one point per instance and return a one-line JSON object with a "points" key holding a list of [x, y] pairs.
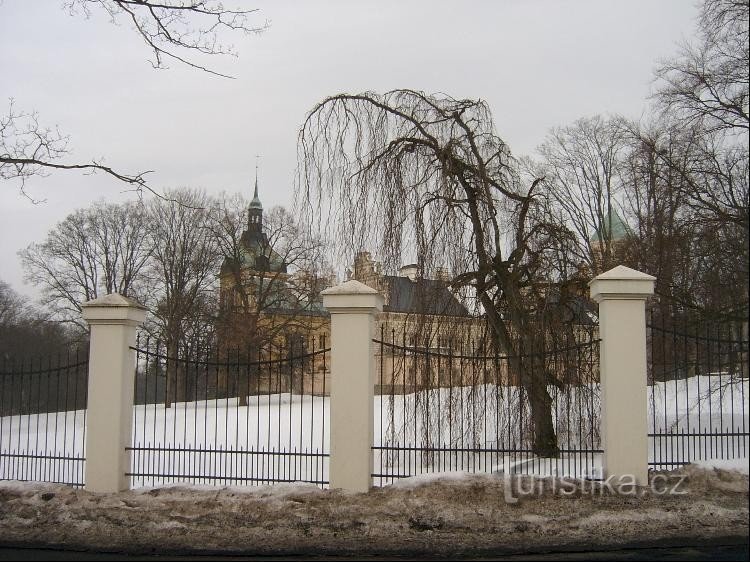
{"points": [[538, 64]]}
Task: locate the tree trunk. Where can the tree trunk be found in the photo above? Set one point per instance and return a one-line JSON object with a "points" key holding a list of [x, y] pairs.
{"points": [[222, 383], [530, 373], [170, 391], [545, 439]]}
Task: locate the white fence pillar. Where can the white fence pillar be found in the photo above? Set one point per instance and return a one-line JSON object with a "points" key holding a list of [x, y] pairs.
{"points": [[113, 320], [353, 306], [621, 293]]}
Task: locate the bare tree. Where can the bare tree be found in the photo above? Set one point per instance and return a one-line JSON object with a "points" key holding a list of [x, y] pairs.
{"points": [[182, 268], [182, 31], [690, 213], [94, 251], [707, 82], [26, 332], [11, 305], [713, 173], [703, 93], [653, 195], [580, 164], [428, 172]]}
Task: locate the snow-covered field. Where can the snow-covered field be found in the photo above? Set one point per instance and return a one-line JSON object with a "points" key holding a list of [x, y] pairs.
{"points": [[284, 437], [708, 402], [702, 417]]}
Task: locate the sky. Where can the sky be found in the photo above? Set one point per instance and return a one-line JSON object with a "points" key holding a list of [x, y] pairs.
{"points": [[537, 63]]}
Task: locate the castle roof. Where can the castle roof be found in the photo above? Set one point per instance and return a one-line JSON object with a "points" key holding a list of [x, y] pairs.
{"points": [[254, 247], [613, 228], [421, 296]]}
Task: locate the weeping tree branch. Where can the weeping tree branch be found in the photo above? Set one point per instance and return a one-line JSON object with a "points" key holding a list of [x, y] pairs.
{"points": [[426, 175]]}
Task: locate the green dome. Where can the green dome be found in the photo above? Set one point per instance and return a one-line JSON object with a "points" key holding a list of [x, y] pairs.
{"points": [[614, 228]]}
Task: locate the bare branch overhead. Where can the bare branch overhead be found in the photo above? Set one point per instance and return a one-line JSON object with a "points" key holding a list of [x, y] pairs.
{"points": [[182, 31], [185, 31]]}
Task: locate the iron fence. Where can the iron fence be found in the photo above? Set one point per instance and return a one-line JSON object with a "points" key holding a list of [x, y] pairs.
{"points": [[231, 417], [43, 417], [698, 389], [238, 417], [457, 406]]}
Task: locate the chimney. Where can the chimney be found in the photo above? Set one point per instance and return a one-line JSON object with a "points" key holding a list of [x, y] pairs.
{"points": [[367, 270], [409, 271], [363, 266]]}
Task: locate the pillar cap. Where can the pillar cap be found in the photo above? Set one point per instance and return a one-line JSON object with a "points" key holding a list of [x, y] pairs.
{"points": [[352, 296], [622, 283], [113, 309]]}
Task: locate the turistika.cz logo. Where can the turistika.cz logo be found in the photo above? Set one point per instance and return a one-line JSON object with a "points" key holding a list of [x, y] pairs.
{"points": [[623, 485]]}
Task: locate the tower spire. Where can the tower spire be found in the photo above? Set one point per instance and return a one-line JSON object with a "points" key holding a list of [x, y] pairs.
{"points": [[255, 195], [255, 203]]}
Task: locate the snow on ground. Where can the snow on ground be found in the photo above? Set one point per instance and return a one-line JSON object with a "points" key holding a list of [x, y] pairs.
{"points": [[740, 465], [436, 514], [715, 401], [411, 482], [286, 437], [699, 418]]}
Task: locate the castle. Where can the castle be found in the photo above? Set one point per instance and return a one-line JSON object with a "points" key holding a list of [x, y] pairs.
{"points": [[264, 306]]}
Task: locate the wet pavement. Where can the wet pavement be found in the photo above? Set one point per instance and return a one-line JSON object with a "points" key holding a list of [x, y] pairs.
{"points": [[720, 549]]}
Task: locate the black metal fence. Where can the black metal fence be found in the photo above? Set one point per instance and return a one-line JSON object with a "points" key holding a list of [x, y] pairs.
{"points": [[458, 407], [43, 418], [698, 389], [237, 417], [232, 417]]}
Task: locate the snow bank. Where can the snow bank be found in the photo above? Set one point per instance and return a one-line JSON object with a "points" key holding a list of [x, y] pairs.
{"points": [[276, 491], [738, 465], [412, 482]]}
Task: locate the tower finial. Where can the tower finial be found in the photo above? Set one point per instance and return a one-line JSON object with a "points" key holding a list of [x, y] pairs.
{"points": [[255, 203], [255, 195]]}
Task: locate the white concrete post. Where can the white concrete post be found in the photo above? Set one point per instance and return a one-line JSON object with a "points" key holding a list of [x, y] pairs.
{"points": [[621, 293], [353, 306], [113, 320]]}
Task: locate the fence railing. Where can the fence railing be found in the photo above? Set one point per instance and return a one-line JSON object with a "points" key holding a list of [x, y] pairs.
{"points": [[698, 390], [43, 418], [667, 392], [231, 417], [460, 407]]}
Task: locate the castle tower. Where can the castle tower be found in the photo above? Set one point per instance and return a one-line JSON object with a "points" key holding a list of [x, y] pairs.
{"points": [[609, 240], [255, 212]]}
